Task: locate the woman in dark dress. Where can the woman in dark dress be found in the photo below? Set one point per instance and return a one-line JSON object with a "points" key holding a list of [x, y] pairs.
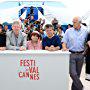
{"points": [[2, 39], [88, 58]]}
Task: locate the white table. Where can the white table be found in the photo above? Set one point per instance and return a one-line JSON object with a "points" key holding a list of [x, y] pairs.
{"points": [[51, 70]]}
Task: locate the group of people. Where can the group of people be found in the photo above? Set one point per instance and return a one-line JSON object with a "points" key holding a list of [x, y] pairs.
{"points": [[17, 40], [74, 40]]}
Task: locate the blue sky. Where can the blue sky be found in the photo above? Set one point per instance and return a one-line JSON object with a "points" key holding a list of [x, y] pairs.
{"points": [[10, 4], [73, 8]]}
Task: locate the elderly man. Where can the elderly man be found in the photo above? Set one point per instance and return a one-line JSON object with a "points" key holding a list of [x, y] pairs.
{"points": [[16, 40], [74, 41], [88, 58]]}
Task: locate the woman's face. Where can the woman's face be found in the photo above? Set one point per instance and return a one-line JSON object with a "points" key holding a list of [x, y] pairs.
{"points": [[34, 38], [59, 30]]}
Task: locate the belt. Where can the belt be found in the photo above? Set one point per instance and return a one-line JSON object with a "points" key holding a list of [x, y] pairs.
{"points": [[76, 51]]}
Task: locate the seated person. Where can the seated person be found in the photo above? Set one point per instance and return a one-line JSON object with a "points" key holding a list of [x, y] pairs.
{"points": [[2, 39], [34, 43], [16, 40], [51, 42]]}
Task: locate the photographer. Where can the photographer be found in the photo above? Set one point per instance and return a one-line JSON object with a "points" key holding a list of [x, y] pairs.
{"points": [[88, 58]]}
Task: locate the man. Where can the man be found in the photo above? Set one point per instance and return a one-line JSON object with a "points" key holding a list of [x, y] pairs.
{"points": [[88, 58], [16, 40], [55, 23], [6, 28], [32, 20], [74, 40], [51, 42]]}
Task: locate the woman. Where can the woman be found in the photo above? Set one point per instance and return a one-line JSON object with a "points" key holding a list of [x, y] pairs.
{"points": [[88, 59], [34, 43], [2, 39], [60, 32]]}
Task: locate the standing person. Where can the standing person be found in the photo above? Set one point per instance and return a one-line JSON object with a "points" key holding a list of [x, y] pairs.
{"points": [[60, 32], [6, 29], [32, 20], [16, 40], [51, 42], [74, 40], [88, 59], [2, 38], [55, 23], [70, 26]]}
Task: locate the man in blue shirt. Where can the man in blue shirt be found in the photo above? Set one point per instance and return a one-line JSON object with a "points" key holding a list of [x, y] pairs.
{"points": [[51, 42], [74, 41]]}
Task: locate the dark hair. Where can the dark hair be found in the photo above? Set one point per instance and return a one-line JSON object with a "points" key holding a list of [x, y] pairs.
{"points": [[70, 25], [30, 34], [48, 26], [33, 34], [1, 26], [60, 28], [84, 24]]}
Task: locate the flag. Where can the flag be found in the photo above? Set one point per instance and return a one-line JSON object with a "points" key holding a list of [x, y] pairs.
{"points": [[23, 16], [43, 17]]}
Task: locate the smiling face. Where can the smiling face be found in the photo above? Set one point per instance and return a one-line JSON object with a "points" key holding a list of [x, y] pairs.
{"points": [[16, 27], [76, 23], [34, 37], [49, 32]]}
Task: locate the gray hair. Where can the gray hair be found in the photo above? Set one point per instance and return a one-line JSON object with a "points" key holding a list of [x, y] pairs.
{"points": [[16, 22]]}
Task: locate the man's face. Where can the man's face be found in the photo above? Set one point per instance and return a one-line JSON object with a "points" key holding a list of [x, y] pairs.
{"points": [[5, 27], [76, 23], [16, 28], [32, 17], [49, 32]]}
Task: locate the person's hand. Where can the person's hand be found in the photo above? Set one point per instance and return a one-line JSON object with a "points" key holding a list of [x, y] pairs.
{"points": [[22, 48], [2, 48], [52, 48], [65, 49], [88, 43]]}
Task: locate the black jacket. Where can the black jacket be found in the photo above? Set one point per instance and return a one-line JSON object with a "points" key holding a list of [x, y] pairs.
{"points": [[2, 39]]}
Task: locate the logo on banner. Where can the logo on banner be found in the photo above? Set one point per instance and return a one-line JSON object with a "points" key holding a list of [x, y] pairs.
{"points": [[28, 69]]}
